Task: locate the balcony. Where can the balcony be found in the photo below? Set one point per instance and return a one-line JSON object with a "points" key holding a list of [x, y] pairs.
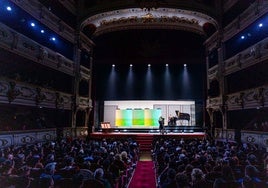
{"points": [[255, 11], [85, 73], [252, 55], [212, 72], [252, 98], [21, 45], [84, 103], [214, 103], [31, 95]]}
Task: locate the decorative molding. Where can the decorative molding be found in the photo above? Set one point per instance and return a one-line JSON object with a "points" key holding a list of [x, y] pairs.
{"points": [[31, 95], [214, 103], [156, 18], [254, 11], [246, 99], [213, 72], [26, 137], [33, 51], [84, 103], [12, 92], [251, 98], [46, 17], [254, 54], [85, 73], [246, 136]]}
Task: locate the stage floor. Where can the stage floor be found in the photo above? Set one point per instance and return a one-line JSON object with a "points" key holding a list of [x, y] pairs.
{"points": [[192, 135]]}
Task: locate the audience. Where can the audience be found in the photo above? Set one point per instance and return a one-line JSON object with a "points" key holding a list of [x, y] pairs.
{"points": [[206, 163], [110, 162], [69, 163]]}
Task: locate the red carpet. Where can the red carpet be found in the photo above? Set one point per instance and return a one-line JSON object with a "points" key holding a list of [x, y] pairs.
{"points": [[144, 175], [145, 141]]}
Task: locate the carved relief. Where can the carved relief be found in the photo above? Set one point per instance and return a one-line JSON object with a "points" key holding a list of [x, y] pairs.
{"points": [[27, 139], [250, 139], [59, 100], [149, 18], [12, 92], [240, 99], [50, 96], [265, 142], [3, 87], [256, 51], [230, 136], [28, 46], [27, 92], [41, 54], [39, 97], [3, 142], [260, 96], [47, 137]]}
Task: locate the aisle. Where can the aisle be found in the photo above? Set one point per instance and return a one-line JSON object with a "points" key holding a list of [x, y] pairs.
{"points": [[144, 175]]}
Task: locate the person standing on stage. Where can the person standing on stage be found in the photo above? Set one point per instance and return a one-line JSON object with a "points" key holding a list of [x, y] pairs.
{"points": [[161, 124]]}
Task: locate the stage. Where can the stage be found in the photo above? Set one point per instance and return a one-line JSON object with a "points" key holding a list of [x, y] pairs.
{"points": [[149, 133], [145, 137]]}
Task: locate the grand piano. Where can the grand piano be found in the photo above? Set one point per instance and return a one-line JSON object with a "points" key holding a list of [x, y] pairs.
{"points": [[180, 116]]}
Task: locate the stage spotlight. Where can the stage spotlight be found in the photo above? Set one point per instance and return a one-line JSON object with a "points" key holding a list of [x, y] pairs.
{"points": [[113, 65], [33, 24], [130, 65], [149, 65], [53, 38], [260, 25], [242, 37], [166, 65], [185, 65], [9, 8], [42, 31]]}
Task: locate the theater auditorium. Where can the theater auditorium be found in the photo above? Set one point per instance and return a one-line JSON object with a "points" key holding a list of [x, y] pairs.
{"points": [[133, 94]]}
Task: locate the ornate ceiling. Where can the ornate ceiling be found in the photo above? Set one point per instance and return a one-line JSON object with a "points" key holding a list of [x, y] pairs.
{"points": [[100, 17], [138, 18], [106, 21]]}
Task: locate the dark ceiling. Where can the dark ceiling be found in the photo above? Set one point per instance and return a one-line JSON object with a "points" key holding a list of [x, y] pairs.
{"points": [[158, 46]]}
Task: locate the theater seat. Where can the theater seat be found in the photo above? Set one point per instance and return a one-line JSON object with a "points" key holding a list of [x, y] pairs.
{"points": [[229, 185], [255, 185], [92, 183]]}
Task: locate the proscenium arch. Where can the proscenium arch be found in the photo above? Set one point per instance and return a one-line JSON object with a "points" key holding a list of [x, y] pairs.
{"points": [[138, 18]]}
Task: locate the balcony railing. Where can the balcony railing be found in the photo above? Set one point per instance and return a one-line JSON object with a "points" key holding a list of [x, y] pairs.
{"points": [[214, 103], [250, 56], [21, 45], [252, 98], [85, 73], [251, 137], [85, 102], [212, 72], [8, 138], [30, 95], [255, 11]]}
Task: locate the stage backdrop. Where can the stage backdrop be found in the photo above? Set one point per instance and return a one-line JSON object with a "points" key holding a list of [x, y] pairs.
{"points": [[145, 114]]}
